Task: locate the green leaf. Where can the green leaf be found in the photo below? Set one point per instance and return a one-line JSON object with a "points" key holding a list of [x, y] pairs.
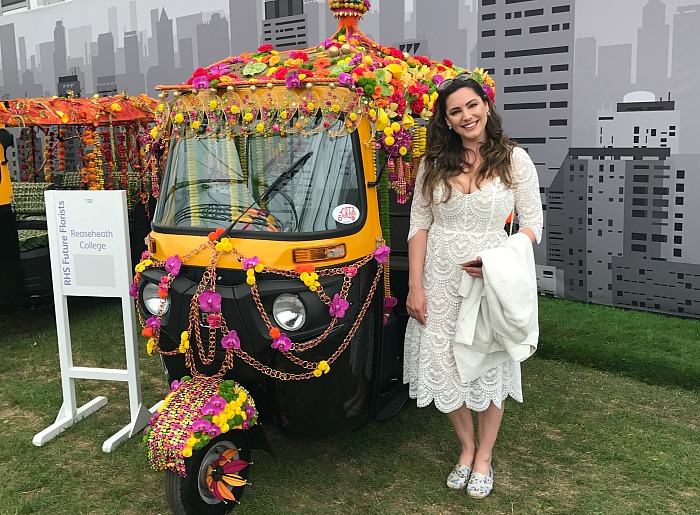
{"points": [[254, 68], [337, 70]]}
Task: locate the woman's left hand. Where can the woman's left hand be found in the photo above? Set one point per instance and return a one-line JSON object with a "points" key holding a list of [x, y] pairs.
{"points": [[473, 267]]}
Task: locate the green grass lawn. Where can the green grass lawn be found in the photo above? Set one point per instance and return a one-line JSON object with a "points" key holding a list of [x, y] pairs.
{"points": [[620, 438]]}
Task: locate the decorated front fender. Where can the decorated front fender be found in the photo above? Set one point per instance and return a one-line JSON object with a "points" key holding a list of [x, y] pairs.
{"points": [[196, 411]]}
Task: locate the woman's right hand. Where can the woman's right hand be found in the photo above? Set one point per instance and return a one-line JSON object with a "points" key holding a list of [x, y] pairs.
{"points": [[416, 304]]}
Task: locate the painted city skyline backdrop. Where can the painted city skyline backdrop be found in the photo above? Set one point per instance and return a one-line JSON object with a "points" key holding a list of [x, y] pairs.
{"points": [[601, 94]]}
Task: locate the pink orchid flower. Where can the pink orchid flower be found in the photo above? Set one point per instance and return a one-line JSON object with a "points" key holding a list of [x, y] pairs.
{"points": [[382, 254], [338, 306], [173, 264], [231, 341], [200, 425], [210, 301], [251, 262], [153, 323], [282, 343]]}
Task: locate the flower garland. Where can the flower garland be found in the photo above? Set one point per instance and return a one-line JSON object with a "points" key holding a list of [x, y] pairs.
{"points": [[194, 412], [61, 150], [390, 88], [206, 302], [49, 144]]}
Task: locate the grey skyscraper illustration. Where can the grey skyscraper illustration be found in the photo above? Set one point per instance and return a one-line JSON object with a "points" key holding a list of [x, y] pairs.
{"points": [[284, 26]]}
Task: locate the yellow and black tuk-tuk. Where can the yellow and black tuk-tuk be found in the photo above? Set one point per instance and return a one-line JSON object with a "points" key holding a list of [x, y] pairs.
{"points": [[268, 272]]}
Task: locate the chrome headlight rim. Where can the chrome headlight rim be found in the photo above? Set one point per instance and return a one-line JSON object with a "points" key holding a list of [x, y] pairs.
{"points": [[289, 312], [152, 302]]}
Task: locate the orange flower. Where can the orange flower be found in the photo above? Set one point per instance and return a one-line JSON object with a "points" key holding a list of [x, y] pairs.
{"points": [[381, 102], [377, 92], [308, 268], [274, 333], [322, 62]]}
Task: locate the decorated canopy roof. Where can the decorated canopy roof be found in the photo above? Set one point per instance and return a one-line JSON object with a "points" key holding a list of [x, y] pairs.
{"points": [[77, 111], [389, 85]]}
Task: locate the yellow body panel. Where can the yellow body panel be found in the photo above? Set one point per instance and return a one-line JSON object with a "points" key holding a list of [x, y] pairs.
{"points": [[278, 253], [5, 184]]}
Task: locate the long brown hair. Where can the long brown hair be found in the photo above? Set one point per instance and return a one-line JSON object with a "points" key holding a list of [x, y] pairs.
{"points": [[445, 155]]}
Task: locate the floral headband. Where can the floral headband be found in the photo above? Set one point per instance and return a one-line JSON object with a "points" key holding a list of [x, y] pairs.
{"points": [[479, 75]]}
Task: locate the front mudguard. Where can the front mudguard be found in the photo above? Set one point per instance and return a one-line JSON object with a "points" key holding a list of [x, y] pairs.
{"points": [[196, 411]]}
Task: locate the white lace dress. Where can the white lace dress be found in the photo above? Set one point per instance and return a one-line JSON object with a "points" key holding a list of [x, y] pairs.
{"points": [[457, 231]]}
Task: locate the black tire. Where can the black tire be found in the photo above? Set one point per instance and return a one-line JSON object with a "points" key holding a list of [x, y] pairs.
{"points": [[190, 495]]}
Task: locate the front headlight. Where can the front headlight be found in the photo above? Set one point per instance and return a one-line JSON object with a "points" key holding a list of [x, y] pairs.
{"points": [[152, 301], [289, 312]]}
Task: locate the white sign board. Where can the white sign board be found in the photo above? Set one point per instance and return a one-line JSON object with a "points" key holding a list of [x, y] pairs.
{"points": [[91, 237], [90, 257]]}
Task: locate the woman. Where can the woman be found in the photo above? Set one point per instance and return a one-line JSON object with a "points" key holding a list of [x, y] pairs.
{"points": [[471, 178]]}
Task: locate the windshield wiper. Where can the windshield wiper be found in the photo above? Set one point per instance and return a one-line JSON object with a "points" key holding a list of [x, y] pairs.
{"points": [[286, 175]]}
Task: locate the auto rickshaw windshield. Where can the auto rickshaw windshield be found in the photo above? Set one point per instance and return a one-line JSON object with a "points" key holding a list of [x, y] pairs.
{"points": [[279, 185]]}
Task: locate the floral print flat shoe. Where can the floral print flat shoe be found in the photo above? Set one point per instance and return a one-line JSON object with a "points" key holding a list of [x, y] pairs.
{"points": [[458, 478], [479, 485]]}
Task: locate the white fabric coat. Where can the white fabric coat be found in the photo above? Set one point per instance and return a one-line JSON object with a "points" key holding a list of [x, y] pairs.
{"points": [[497, 319]]}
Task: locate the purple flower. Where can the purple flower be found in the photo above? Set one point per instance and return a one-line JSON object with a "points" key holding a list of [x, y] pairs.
{"points": [[175, 385], [382, 254], [200, 425], [338, 306], [173, 264], [245, 424], [134, 290], [231, 341], [218, 69], [208, 409], [200, 82], [210, 301], [154, 418], [293, 80], [360, 91], [214, 431], [218, 401], [438, 79], [345, 79], [153, 323], [282, 343], [249, 410], [251, 262]]}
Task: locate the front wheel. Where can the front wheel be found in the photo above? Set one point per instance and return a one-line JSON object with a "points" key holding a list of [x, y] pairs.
{"points": [[216, 477]]}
